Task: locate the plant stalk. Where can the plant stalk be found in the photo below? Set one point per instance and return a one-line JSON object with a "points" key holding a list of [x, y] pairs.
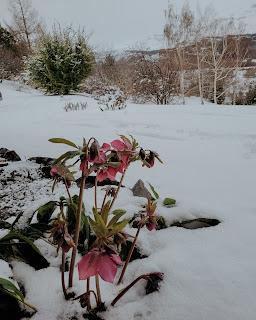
{"points": [[66, 185], [77, 231], [95, 195], [123, 292], [63, 258], [88, 292], [129, 255], [118, 189], [97, 283]]}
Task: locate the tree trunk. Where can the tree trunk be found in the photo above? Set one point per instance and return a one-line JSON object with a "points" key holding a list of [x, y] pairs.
{"points": [[25, 24]]}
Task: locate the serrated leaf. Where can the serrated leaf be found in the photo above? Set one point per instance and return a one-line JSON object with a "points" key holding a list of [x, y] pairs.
{"points": [[63, 141], [118, 227], [94, 227], [101, 224], [105, 211], [118, 212], [115, 219], [153, 191]]}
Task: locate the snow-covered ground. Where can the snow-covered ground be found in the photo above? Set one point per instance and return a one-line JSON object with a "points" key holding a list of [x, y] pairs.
{"points": [[209, 156]]}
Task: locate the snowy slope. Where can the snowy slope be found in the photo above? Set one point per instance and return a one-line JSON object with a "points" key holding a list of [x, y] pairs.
{"points": [[209, 166]]}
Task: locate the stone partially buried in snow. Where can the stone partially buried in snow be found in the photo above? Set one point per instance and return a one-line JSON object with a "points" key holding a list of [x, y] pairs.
{"points": [[46, 161], [45, 165], [9, 155], [197, 223], [139, 190]]}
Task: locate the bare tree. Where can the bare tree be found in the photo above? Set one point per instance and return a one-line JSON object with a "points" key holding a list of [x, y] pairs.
{"points": [[200, 43], [25, 24], [154, 79], [177, 33], [225, 55]]}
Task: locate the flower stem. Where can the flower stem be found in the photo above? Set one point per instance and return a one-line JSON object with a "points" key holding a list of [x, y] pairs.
{"points": [[118, 189], [63, 274], [97, 283], [123, 292], [66, 185], [88, 291], [77, 231], [103, 202], [129, 255], [95, 195]]}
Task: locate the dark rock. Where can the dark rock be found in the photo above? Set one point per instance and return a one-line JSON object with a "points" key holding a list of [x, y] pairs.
{"points": [[90, 182], [125, 248], [3, 164], [9, 155], [46, 172], [46, 161], [197, 223], [139, 190], [3, 151]]}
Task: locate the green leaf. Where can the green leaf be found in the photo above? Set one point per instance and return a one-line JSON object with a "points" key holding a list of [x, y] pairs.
{"points": [[26, 249], [116, 217], [95, 228], [14, 235], [105, 211], [63, 141], [66, 156], [118, 212], [45, 212], [156, 195], [9, 288], [118, 227], [168, 202]]}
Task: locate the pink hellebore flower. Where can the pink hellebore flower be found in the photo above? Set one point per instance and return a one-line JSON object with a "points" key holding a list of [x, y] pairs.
{"points": [[107, 173], [105, 147], [118, 145], [101, 158], [151, 226], [121, 145], [99, 262], [54, 171], [124, 148]]}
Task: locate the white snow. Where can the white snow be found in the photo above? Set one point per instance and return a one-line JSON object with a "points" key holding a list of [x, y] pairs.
{"points": [[209, 155]]}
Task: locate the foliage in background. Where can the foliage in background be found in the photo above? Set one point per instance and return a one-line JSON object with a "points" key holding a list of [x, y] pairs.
{"points": [[61, 61]]}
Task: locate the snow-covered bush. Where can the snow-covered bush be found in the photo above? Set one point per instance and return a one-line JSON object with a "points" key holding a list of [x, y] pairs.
{"points": [[61, 61], [116, 101]]}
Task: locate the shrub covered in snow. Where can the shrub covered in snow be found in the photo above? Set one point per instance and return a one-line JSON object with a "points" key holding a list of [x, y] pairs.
{"points": [[61, 61]]}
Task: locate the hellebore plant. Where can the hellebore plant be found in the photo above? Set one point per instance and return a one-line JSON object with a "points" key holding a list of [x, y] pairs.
{"points": [[106, 162]]}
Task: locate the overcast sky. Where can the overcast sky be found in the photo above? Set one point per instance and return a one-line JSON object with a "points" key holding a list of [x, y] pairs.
{"points": [[116, 24]]}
